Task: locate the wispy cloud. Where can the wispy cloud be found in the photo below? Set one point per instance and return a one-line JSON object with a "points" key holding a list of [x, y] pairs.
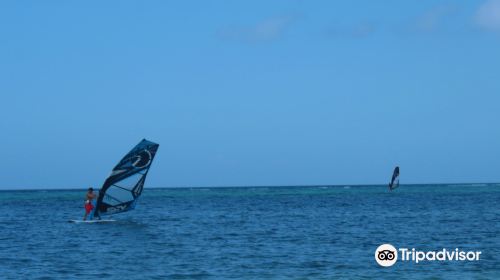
{"points": [[359, 30], [488, 15], [433, 18], [265, 30]]}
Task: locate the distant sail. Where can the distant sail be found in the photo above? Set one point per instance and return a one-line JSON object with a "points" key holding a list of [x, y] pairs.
{"points": [[125, 183], [395, 179]]}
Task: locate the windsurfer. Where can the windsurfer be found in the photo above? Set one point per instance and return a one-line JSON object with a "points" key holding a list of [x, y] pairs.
{"points": [[89, 204]]}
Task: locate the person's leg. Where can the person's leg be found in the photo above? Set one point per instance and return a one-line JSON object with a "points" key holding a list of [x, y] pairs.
{"points": [[91, 217]]}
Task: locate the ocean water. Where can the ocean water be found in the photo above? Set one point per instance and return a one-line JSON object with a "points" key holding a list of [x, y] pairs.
{"points": [[324, 232]]}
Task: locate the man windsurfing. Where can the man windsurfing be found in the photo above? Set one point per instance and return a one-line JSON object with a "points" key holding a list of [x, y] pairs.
{"points": [[89, 204]]}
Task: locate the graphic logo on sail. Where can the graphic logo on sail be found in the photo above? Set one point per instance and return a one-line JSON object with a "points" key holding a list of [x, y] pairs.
{"points": [[115, 209], [142, 159]]}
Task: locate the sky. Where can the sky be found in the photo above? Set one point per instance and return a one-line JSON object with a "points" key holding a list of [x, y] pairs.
{"points": [[250, 93]]}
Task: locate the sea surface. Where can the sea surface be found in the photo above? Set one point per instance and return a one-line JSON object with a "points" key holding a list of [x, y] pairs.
{"points": [[315, 232]]}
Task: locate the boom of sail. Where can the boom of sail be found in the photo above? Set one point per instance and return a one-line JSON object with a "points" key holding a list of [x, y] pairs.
{"points": [[124, 185], [395, 179]]}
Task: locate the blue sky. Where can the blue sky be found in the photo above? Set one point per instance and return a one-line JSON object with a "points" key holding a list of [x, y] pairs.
{"points": [[250, 92]]}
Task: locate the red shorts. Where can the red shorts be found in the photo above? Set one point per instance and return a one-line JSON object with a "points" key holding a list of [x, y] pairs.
{"points": [[88, 207]]}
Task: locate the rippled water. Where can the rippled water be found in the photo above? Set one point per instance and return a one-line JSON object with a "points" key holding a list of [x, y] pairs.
{"points": [[252, 233]]}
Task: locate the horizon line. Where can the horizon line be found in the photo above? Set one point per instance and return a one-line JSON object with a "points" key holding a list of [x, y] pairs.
{"points": [[261, 186]]}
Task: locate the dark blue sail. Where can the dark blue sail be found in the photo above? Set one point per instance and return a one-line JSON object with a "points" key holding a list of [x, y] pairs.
{"points": [[124, 185], [395, 179]]}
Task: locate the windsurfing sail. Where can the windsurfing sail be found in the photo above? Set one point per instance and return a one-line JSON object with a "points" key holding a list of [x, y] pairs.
{"points": [[124, 185], [395, 179]]}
